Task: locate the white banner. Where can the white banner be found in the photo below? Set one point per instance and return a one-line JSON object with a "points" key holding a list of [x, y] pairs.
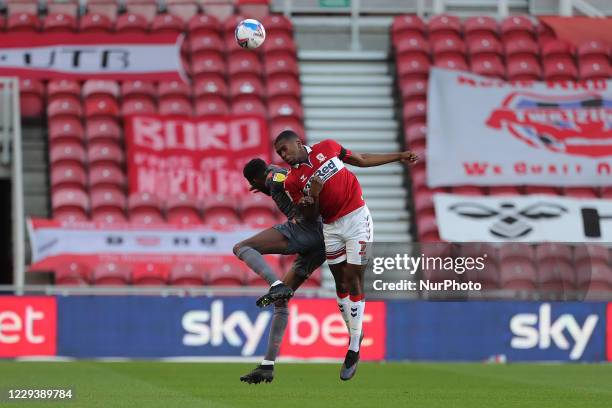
{"points": [[483, 131], [530, 218]]}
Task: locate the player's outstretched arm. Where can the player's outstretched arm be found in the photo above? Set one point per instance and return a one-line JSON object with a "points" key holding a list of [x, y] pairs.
{"points": [[378, 159], [309, 205]]}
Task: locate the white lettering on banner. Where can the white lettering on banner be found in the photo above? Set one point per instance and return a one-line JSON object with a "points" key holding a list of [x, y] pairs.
{"points": [[537, 330], [489, 132], [212, 327], [530, 218], [327, 170], [304, 329], [11, 326]]}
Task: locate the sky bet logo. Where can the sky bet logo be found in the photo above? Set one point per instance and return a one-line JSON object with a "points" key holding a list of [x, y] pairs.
{"points": [[212, 327], [533, 330], [325, 172]]}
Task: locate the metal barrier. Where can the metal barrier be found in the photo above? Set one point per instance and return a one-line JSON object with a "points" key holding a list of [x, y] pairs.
{"points": [[10, 123]]}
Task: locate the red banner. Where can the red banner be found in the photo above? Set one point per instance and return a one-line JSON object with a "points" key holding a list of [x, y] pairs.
{"points": [[28, 326], [200, 157], [316, 330], [56, 243], [91, 56]]}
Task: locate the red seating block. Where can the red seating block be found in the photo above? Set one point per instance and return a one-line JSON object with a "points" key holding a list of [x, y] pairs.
{"points": [[149, 274], [111, 274], [32, 97], [95, 23], [70, 204], [130, 23], [187, 274], [59, 23]]}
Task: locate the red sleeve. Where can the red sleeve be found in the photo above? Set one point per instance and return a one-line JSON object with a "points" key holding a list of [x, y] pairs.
{"points": [[292, 189], [338, 149]]}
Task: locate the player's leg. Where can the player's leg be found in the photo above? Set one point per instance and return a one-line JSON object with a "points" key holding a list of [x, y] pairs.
{"points": [[342, 292], [299, 272], [358, 231], [335, 252], [250, 251]]}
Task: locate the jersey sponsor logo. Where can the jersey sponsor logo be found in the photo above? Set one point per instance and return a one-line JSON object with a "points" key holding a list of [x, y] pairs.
{"points": [[279, 177], [325, 172], [321, 157]]}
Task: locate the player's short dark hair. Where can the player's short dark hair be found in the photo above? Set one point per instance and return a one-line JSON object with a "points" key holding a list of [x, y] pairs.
{"points": [[286, 135], [254, 168]]}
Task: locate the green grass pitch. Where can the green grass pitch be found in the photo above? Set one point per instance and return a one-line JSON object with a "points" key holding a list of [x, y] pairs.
{"points": [[155, 384]]}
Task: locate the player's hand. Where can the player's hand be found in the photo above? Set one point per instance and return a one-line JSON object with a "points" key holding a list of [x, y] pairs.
{"points": [[409, 157], [316, 185], [306, 201], [254, 189]]}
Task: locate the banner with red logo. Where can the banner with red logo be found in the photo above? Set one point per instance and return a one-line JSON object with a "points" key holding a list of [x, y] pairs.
{"points": [[28, 326], [55, 243], [484, 131], [316, 330], [200, 157], [91, 56]]}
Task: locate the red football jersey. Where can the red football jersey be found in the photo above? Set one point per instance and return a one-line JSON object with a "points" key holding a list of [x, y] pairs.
{"points": [[341, 192]]}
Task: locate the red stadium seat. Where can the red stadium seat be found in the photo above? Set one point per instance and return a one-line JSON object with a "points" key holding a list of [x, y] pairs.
{"points": [[220, 9], [251, 105], [413, 67], [62, 108], [227, 274], [130, 23], [211, 105], [545, 33], [556, 48], [111, 274], [138, 107], [205, 42], [21, 6], [486, 47], [23, 23], [71, 274], [594, 51], [555, 252], [138, 89], [469, 190], [453, 62], [63, 88], [104, 152], [108, 202], [542, 190], [521, 48], [65, 130], [504, 190], [556, 276], [245, 63], [175, 106], [412, 46], [413, 89], [95, 88], [489, 66], [480, 27], [59, 23], [280, 65], [145, 8], [590, 253], [203, 24], [516, 250], [95, 23], [108, 8], [281, 123], [408, 25], [277, 23], [517, 28], [594, 70], [522, 68], [283, 85], [149, 274], [174, 90], [518, 275], [581, 192], [101, 107], [187, 274], [69, 7], [106, 175], [167, 23], [447, 46], [183, 9], [489, 277], [595, 276], [444, 25], [248, 85], [428, 229], [210, 86], [32, 97], [423, 204], [183, 209], [68, 175], [279, 44], [102, 129], [559, 71], [220, 205], [257, 9], [259, 220], [415, 133], [2, 23], [285, 106], [67, 153], [208, 63], [257, 203], [414, 111], [144, 208], [70, 204]]}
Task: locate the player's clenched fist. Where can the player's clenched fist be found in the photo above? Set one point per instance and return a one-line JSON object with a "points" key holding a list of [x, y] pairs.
{"points": [[409, 157], [316, 185], [306, 201]]}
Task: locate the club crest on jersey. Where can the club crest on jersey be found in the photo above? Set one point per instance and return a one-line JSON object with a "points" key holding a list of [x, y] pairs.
{"points": [[325, 172], [321, 157]]}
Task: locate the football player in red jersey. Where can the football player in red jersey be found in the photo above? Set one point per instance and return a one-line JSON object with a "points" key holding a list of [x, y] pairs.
{"points": [[318, 171]]}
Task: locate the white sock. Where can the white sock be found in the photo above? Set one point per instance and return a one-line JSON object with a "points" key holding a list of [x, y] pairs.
{"points": [[356, 310], [277, 282], [343, 305], [267, 362]]}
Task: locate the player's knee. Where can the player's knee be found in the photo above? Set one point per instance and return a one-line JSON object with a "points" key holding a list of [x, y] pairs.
{"points": [[238, 248]]}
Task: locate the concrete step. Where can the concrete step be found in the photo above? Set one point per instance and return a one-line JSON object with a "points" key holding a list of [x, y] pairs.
{"points": [[349, 102], [388, 192], [37, 205], [347, 90], [350, 124], [379, 171], [351, 56], [349, 113], [391, 237], [391, 216], [353, 135], [376, 204], [386, 227], [373, 147], [359, 80], [343, 68]]}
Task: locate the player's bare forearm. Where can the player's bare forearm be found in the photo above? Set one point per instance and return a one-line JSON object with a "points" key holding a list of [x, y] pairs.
{"points": [[309, 207], [378, 159]]}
